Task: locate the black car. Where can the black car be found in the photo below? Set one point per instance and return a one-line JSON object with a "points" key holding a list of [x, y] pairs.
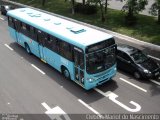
{"points": [[5, 9], [134, 61]]}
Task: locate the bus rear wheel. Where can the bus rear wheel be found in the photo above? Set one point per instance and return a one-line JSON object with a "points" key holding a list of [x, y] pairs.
{"points": [[27, 48], [65, 73]]}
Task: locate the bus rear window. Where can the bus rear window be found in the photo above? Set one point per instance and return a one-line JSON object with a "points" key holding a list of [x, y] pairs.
{"points": [[100, 45]]}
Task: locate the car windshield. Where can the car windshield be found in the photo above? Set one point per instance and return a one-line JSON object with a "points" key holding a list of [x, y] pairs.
{"points": [[139, 57], [101, 60]]}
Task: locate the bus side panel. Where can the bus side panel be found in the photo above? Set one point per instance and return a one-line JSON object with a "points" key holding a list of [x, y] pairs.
{"points": [[12, 33], [56, 61], [52, 58], [33, 45]]}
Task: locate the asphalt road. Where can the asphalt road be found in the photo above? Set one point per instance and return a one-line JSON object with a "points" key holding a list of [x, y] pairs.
{"points": [[29, 86]]}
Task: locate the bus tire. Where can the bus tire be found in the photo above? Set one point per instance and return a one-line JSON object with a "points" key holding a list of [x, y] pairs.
{"points": [[27, 48], [65, 72]]}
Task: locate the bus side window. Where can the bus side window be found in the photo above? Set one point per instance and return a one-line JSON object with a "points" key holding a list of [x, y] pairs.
{"points": [[33, 33], [17, 25], [25, 29], [76, 58], [52, 43], [65, 50], [42, 37], [48, 43], [10, 22], [79, 59], [28, 30]]}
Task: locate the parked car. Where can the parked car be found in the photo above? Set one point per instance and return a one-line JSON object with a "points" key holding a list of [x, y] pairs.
{"points": [[5, 9], [134, 61]]}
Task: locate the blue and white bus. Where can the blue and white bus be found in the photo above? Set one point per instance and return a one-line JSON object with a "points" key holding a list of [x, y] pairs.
{"points": [[82, 54]]}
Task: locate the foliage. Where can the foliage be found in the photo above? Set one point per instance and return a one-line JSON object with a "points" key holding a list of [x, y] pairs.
{"points": [[43, 2], [85, 9], [155, 9], [83, 2], [133, 7], [101, 3]]}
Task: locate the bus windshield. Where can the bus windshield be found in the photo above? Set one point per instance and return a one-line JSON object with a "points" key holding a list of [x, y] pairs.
{"points": [[101, 60]]}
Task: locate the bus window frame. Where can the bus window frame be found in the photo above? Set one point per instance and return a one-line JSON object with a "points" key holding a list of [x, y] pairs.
{"points": [[10, 22]]}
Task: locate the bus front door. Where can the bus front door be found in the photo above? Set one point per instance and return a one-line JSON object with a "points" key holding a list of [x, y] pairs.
{"points": [[41, 52], [17, 30], [79, 67], [41, 40]]}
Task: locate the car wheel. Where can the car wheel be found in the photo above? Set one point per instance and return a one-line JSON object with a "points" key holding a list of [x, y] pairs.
{"points": [[137, 75]]}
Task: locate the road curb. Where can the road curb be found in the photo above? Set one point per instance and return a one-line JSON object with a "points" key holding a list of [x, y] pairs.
{"points": [[115, 34]]}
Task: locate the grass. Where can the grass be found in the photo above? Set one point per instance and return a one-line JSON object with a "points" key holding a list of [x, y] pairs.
{"points": [[146, 28]]}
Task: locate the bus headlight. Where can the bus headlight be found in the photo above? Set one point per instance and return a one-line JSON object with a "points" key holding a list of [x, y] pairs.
{"points": [[115, 69], [90, 79]]}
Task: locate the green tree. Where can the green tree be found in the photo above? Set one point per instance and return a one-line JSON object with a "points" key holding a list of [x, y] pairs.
{"points": [[43, 2], [102, 4], [155, 9], [73, 6], [133, 7], [83, 2], [106, 6], [72, 2]]}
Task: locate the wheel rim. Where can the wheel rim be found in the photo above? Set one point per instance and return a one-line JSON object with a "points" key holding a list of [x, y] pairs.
{"points": [[66, 73], [27, 49], [137, 75]]}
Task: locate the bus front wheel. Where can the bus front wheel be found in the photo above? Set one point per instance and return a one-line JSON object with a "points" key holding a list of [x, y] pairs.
{"points": [[65, 73], [27, 48]]}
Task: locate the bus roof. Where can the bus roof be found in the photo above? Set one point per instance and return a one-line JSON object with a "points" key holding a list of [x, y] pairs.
{"points": [[71, 32]]}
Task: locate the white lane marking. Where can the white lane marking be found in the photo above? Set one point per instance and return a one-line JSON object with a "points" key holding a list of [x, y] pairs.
{"points": [[158, 59], [46, 106], [55, 110], [8, 47], [55, 113], [140, 88], [112, 96], [158, 83], [1, 18], [86, 105], [38, 69]]}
